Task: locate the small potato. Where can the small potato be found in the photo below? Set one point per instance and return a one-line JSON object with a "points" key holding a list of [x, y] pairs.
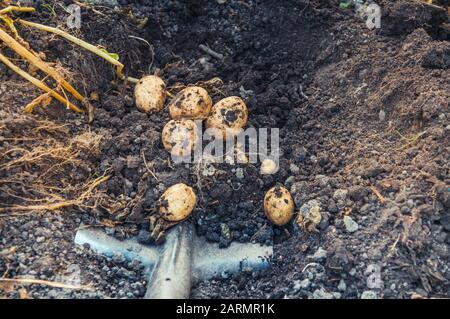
{"points": [[268, 167], [279, 205], [150, 94], [191, 103], [177, 203], [180, 137], [227, 117]]}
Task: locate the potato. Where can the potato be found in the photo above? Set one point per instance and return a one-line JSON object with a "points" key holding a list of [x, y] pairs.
{"points": [[279, 205], [268, 167], [191, 103], [177, 202], [227, 117], [180, 137], [150, 94]]}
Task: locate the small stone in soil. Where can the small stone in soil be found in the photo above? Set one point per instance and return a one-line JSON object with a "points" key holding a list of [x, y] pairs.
{"points": [[319, 254], [350, 225], [369, 294]]}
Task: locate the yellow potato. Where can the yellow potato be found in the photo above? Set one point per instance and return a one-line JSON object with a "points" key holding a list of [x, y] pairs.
{"points": [[177, 203], [191, 103], [279, 205], [268, 167], [180, 137], [150, 94], [227, 117]]}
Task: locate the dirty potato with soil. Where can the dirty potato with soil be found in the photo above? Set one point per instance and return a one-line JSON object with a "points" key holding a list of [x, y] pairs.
{"points": [[180, 137], [193, 103], [279, 205], [150, 94], [177, 203], [228, 116]]}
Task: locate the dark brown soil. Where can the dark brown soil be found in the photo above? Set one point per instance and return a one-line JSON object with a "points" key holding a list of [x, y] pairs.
{"points": [[364, 124]]}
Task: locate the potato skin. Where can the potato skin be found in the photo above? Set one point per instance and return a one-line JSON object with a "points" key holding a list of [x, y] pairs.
{"points": [[180, 137], [150, 94], [279, 205], [227, 117], [193, 103], [177, 202]]}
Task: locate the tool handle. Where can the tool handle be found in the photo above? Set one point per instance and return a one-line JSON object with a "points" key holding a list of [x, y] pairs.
{"points": [[171, 277]]}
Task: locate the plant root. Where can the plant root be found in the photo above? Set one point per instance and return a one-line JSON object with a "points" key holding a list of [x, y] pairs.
{"points": [[43, 66], [41, 85], [54, 284], [101, 53]]}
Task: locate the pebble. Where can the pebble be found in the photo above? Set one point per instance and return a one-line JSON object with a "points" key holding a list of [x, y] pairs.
{"points": [[294, 168], [322, 294], [240, 173], [342, 285], [340, 195], [369, 294], [311, 212], [319, 254], [304, 284], [350, 225]]}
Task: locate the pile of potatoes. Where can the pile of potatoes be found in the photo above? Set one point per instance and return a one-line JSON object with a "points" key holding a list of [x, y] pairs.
{"points": [[180, 137]]}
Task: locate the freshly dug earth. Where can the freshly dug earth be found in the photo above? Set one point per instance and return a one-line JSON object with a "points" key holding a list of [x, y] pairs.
{"points": [[364, 124]]}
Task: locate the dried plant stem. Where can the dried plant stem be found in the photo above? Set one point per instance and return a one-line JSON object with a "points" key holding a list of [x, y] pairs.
{"points": [[24, 53], [29, 281], [378, 194], [17, 9], [41, 85], [83, 44]]}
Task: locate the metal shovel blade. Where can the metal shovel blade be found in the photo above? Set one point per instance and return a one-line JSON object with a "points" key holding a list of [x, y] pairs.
{"points": [[184, 258]]}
